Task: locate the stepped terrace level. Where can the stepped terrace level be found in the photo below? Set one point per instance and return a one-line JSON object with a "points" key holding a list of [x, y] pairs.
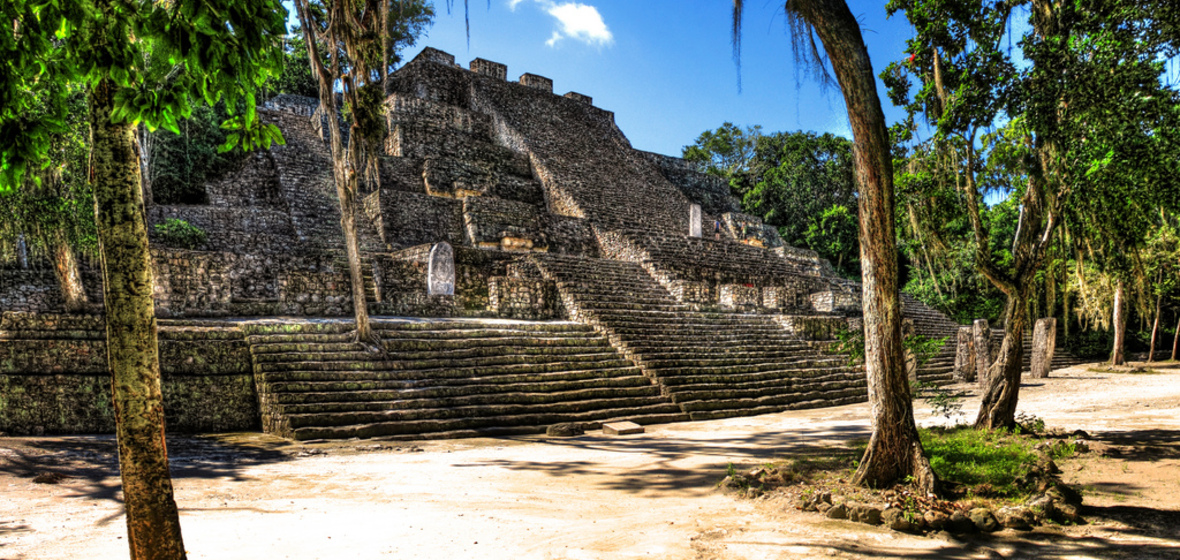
{"points": [[526, 266]]}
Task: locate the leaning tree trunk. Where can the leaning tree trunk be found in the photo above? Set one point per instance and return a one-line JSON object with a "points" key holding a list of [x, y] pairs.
{"points": [[894, 451], [343, 173], [1155, 329], [69, 279], [153, 524], [1002, 386], [1117, 356]]}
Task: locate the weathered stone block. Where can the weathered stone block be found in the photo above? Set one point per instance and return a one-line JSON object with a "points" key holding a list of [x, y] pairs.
{"points": [[537, 82], [810, 327], [489, 68], [982, 334], [1044, 343], [739, 296], [965, 355], [621, 428], [580, 97]]}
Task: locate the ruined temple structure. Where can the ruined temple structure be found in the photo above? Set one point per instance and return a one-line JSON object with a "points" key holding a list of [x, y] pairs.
{"points": [[525, 266]]}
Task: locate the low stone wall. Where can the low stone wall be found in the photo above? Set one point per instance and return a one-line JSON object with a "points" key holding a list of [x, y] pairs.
{"points": [[518, 298], [54, 377], [810, 327]]}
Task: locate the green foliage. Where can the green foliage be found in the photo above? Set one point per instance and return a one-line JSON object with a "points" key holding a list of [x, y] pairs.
{"points": [[852, 344], [296, 77], [180, 234], [161, 58], [943, 401], [835, 237], [991, 463], [923, 347], [180, 164], [56, 204], [799, 182], [726, 152]]}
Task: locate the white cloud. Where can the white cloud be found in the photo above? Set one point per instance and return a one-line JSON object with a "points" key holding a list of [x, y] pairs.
{"points": [[577, 21]]}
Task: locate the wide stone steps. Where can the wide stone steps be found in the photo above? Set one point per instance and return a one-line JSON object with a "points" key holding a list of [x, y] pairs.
{"points": [[445, 377], [414, 354], [668, 374], [489, 426], [383, 364], [509, 405], [622, 386], [755, 407], [692, 401], [758, 379], [714, 360]]}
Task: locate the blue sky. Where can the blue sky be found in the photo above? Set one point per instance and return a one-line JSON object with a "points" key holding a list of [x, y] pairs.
{"points": [[664, 67]]}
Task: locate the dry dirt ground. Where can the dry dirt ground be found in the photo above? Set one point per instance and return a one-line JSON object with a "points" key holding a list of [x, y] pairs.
{"points": [[591, 497]]}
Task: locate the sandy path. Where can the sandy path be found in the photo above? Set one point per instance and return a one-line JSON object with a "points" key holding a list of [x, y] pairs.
{"points": [[645, 496]]}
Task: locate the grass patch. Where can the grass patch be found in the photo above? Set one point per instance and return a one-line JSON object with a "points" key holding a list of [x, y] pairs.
{"points": [[990, 464], [1128, 370]]}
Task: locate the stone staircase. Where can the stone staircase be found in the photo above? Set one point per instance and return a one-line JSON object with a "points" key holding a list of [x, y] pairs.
{"points": [[445, 378], [932, 324], [714, 365]]}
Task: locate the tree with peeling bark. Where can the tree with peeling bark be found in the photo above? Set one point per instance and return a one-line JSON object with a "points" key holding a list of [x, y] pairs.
{"points": [[1086, 90], [894, 451], [217, 49], [351, 47]]}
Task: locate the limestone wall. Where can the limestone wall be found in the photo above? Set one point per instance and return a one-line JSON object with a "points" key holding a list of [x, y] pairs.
{"points": [[54, 378]]}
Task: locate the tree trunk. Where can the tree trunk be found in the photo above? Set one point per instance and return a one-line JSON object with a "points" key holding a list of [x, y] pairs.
{"points": [[65, 266], [1155, 328], [1002, 386], [153, 524], [894, 451], [344, 174], [1176, 339], [1119, 323]]}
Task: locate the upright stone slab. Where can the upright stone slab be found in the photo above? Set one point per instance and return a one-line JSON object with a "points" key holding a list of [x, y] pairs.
{"points": [[694, 220], [982, 333], [911, 359], [1044, 342], [965, 356], [440, 272]]}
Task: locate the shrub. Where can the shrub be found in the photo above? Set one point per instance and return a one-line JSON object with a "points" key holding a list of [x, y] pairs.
{"points": [[180, 234]]}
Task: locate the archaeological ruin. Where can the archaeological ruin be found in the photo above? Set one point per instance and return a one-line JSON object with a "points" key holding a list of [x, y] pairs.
{"points": [[524, 264]]}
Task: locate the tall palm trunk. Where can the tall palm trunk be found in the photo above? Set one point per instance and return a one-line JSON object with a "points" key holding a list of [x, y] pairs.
{"points": [[153, 524], [69, 279], [894, 451], [1002, 386], [1119, 323]]}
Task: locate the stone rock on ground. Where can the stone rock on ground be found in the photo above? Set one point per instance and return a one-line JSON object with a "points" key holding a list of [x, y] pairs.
{"points": [[866, 514], [936, 520], [838, 511], [984, 520], [566, 429], [895, 519], [960, 523], [1015, 517]]}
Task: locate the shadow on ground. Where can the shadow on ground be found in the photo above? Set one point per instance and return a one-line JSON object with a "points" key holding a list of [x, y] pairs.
{"points": [[665, 473], [94, 461]]}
